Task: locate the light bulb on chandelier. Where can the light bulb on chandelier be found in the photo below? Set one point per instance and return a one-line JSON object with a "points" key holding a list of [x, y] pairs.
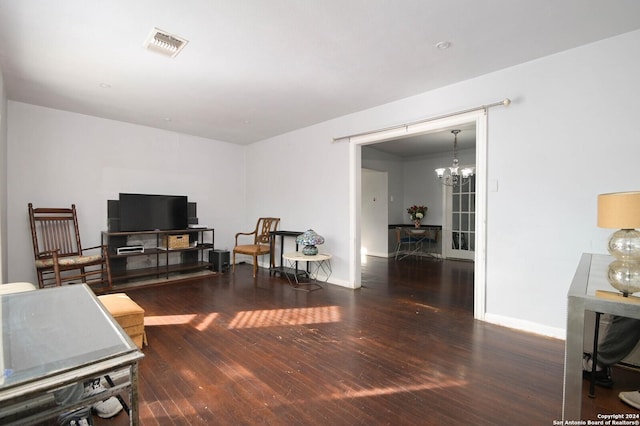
{"points": [[454, 175]]}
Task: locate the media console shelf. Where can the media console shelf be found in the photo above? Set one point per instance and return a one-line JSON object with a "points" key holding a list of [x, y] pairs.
{"points": [[155, 260]]}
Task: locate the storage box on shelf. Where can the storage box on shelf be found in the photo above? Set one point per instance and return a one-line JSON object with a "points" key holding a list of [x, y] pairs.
{"points": [[172, 242]]}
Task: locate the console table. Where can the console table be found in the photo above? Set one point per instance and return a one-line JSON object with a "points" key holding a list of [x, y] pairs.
{"points": [[590, 277], [420, 237], [282, 269], [59, 337], [153, 260]]}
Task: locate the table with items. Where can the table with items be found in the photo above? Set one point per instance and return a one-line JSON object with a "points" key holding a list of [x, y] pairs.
{"points": [[54, 341]]}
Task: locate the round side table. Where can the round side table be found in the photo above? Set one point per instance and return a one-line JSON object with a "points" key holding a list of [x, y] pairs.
{"points": [[318, 264]]}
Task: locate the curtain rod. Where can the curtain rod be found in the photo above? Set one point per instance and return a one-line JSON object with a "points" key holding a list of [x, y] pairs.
{"points": [[504, 102]]}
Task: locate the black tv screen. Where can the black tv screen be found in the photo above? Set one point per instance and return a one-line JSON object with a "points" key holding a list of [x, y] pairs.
{"points": [[145, 212]]}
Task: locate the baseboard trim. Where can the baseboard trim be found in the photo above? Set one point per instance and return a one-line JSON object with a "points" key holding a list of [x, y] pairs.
{"points": [[528, 326]]}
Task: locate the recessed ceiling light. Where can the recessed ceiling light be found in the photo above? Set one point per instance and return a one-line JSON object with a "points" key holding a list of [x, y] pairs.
{"points": [[443, 45]]}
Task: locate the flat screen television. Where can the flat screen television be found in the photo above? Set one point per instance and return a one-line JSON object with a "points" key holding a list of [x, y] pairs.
{"points": [[146, 212]]}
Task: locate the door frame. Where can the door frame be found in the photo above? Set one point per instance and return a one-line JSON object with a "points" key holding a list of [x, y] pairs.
{"points": [[355, 194]]}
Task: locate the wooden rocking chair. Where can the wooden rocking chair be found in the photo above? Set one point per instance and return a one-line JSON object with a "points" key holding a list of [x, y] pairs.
{"points": [[59, 256]]}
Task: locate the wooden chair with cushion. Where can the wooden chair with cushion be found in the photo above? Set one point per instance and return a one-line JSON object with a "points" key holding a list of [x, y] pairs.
{"points": [[261, 242], [59, 256]]}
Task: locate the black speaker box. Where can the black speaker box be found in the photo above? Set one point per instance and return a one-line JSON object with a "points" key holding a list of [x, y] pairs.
{"points": [[113, 225], [113, 209], [113, 215], [220, 260], [192, 214], [192, 210]]}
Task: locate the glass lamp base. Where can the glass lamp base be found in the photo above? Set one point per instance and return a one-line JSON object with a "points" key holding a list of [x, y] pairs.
{"points": [[624, 276], [310, 250], [624, 244]]}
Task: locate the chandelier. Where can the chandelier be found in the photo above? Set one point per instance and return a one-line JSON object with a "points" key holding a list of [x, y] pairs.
{"points": [[454, 175]]}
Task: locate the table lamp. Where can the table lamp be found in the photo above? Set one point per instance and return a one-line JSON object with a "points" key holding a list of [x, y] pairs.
{"points": [[309, 240], [621, 210]]}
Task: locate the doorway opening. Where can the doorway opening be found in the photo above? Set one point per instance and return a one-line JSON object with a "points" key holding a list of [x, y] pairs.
{"points": [[478, 120]]}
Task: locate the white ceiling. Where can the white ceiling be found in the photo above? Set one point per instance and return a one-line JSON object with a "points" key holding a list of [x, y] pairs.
{"points": [[258, 68]]}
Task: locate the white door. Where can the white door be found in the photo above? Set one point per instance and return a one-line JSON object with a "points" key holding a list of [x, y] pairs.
{"points": [[374, 220], [460, 232]]}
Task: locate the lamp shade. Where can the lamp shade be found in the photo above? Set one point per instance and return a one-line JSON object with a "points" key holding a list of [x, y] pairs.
{"points": [[619, 210], [309, 238]]}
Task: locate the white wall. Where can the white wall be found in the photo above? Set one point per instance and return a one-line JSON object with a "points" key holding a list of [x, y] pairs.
{"points": [[58, 158], [561, 142], [302, 177], [3, 181]]}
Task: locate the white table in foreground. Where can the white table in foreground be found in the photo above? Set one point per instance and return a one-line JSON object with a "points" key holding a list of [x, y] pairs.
{"points": [[56, 337], [318, 263]]}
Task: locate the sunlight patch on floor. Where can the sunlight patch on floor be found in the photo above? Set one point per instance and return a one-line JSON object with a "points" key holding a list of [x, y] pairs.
{"points": [[168, 319], [253, 319], [293, 316], [345, 391], [202, 325], [207, 321], [389, 390]]}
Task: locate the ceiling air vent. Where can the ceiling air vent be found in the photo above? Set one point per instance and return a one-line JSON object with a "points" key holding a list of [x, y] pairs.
{"points": [[164, 43]]}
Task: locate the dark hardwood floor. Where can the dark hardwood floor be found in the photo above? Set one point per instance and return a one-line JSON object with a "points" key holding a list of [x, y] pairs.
{"points": [[402, 350]]}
